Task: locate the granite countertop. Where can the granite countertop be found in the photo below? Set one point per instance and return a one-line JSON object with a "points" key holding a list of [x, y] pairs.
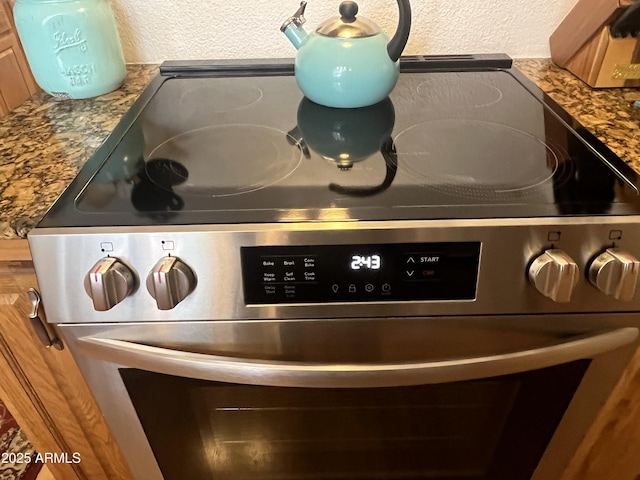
{"points": [[44, 143]]}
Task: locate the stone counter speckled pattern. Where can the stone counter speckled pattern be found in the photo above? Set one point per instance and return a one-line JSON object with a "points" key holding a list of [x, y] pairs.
{"points": [[44, 143], [607, 113]]}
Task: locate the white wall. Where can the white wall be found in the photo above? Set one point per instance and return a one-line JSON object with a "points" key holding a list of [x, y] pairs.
{"points": [[157, 30]]}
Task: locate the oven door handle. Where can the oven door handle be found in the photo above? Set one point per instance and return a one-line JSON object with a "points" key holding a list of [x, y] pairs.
{"points": [[337, 375]]}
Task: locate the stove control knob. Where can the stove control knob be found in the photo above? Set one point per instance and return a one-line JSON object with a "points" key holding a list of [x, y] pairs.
{"points": [[615, 273], [554, 274], [170, 281], [108, 283]]}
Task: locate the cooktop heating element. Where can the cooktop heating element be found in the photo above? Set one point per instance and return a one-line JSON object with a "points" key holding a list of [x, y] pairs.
{"points": [[458, 138]]}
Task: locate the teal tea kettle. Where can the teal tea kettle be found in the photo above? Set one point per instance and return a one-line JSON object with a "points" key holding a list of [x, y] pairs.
{"points": [[347, 62]]}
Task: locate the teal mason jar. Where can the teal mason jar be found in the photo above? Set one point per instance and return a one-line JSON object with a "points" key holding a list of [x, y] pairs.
{"points": [[72, 46]]}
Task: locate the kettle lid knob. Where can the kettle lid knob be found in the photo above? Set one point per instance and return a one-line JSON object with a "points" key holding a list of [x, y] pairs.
{"points": [[348, 11], [347, 25]]}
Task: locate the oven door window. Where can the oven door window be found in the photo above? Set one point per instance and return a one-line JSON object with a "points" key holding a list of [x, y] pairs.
{"points": [[489, 429]]}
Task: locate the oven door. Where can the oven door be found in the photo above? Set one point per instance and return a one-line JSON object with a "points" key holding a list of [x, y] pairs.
{"points": [[426, 398]]}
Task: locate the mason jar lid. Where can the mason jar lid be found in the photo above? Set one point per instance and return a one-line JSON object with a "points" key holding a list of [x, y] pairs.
{"points": [[347, 25]]}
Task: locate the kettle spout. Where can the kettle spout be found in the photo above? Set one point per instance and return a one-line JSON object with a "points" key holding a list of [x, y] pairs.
{"points": [[293, 29], [399, 40]]}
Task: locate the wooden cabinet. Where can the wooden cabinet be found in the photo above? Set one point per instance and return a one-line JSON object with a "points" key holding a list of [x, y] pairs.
{"points": [[16, 81], [610, 449], [583, 44], [43, 387]]}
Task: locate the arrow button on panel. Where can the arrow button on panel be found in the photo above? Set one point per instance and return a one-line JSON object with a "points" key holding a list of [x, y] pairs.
{"points": [[410, 273]]}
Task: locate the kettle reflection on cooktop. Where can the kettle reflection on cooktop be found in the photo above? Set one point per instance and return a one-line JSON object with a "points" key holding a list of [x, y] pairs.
{"points": [[153, 186], [345, 137]]}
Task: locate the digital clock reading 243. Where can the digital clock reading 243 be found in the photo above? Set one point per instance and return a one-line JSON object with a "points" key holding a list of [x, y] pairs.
{"points": [[366, 262], [360, 273]]}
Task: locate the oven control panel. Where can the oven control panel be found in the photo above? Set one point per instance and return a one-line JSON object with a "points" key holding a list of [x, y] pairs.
{"points": [[360, 273]]}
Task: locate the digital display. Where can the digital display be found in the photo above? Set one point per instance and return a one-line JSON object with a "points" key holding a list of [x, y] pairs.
{"points": [[366, 262], [282, 274]]}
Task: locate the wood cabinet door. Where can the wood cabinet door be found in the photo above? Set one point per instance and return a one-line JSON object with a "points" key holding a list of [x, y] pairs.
{"points": [[45, 391], [16, 82], [610, 448]]}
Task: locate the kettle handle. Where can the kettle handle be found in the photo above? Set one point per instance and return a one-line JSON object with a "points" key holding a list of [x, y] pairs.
{"points": [[399, 40], [390, 155]]}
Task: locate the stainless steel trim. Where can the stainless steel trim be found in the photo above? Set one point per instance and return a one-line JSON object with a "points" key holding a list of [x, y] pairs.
{"points": [[294, 374], [213, 252]]}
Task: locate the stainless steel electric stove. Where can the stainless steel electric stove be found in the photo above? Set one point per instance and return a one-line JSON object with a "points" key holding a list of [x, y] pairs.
{"points": [[234, 147], [264, 266]]}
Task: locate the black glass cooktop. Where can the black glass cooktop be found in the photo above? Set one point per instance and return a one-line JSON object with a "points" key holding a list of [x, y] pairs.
{"points": [[459, 137]]}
